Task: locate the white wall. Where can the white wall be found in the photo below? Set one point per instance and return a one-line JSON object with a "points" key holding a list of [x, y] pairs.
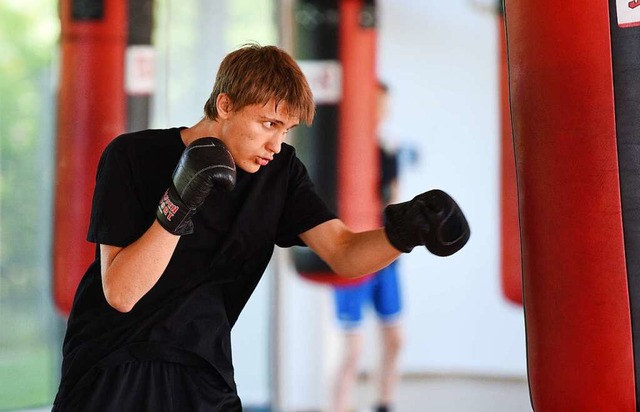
{"points": [[440, 60]]}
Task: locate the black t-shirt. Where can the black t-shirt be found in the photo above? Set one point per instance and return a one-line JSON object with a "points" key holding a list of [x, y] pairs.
{"points": [[188, 314]]}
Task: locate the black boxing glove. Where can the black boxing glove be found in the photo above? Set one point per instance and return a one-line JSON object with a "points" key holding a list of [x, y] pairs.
{"points": [[205, 164], [432, 219]]}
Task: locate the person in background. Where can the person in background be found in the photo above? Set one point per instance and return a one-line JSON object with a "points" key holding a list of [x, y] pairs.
{"points": [[381, 291]]}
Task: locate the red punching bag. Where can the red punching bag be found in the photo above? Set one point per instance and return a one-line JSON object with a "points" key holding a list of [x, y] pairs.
{"points": [[358, 158], [574, 78], [91, 111]]}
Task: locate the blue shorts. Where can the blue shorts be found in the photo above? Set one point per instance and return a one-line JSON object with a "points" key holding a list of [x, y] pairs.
{"points": [[382, 290]]}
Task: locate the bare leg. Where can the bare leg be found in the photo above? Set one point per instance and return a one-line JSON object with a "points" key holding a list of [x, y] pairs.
{"points": [[392, 340], [347, 371]]}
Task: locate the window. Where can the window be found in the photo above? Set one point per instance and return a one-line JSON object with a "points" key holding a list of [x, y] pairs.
{"points": [[29, 327]]}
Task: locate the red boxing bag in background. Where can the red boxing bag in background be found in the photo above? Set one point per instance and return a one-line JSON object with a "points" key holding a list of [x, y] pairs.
{"points": [[359, 203], [91, 112], [574, 78]]}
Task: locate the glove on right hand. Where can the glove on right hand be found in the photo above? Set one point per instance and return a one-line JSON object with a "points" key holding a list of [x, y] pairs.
{"points": [[205, 164], [432, 219]]}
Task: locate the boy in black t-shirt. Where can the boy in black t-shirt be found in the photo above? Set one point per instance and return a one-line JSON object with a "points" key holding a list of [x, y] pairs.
{"points": [[181, 248]]}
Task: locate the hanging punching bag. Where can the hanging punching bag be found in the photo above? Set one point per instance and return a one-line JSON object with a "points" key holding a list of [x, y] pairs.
{"points": [[336, 50], [91, 111], [316, 49], [139, 81], [574, 70], [358, 154]]}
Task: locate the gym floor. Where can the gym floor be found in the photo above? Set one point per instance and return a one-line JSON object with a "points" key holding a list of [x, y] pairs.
{"points": [[453, 394]]}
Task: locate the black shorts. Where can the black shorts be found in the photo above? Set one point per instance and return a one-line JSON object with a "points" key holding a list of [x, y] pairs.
{"points": [[153, 386]]}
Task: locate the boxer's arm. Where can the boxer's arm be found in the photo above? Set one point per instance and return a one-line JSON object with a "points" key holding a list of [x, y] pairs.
{"points": [[432, 219], [349, 253], [129, 273]]}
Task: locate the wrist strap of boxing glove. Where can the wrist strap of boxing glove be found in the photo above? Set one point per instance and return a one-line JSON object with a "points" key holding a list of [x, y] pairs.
{"points": [[397, 229], [173, 215]]}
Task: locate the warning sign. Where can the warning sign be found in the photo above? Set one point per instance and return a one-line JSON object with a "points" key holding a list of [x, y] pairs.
{"points": [[325, 79], [140, 63]]}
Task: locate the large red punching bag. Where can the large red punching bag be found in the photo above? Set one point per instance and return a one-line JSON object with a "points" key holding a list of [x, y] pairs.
{"points": [[91, 112], [574, 77]]}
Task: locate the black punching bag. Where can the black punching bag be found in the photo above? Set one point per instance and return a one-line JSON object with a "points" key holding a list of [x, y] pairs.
{"points": [[335, 46]]}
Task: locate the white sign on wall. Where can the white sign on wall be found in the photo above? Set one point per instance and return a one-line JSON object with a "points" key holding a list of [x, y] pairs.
{"points": [[140, 70], [628, 13], [325, 79]]}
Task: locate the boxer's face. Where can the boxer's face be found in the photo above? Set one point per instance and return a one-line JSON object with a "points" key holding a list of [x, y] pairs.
{"points": [[254, 134]]}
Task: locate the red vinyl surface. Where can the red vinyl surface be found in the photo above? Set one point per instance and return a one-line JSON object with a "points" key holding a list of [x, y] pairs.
{"points": [[358, 159], [576, 301], [91, 112]]}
